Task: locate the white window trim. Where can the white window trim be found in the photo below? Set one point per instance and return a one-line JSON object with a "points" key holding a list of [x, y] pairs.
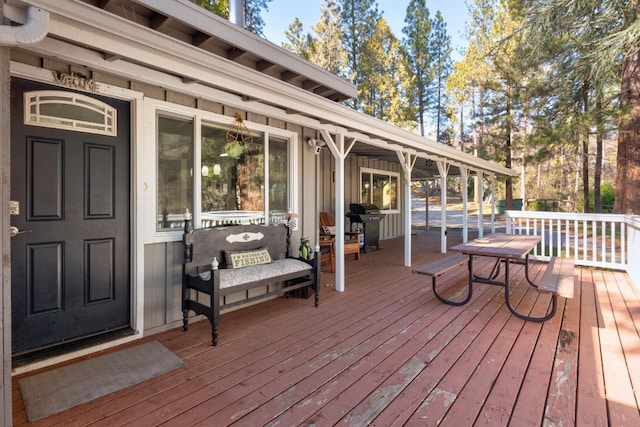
{"points": [[154, 107], [380, 172]]}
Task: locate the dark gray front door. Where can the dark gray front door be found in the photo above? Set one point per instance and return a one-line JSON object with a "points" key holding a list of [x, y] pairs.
{"points": [[70, 275]]}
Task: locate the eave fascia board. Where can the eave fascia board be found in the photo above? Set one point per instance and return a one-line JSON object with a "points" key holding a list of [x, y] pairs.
{"points": [[200, 19], [225, 30], [171, 55], [158, 49]]}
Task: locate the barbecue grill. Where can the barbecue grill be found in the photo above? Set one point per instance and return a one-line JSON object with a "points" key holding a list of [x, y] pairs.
{"points": [[369, 216]]}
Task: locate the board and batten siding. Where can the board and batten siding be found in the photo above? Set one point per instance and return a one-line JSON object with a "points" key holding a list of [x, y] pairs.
{"points": [[392, 225], [162, 283]]}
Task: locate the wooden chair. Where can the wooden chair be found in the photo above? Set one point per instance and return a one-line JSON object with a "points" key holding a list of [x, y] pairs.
{"points": [[328, 252], [327, 231]]}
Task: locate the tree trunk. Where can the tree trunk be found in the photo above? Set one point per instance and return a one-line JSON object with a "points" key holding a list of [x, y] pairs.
{"points": [[438, 107], [508, 185], [461, 127], [480, 124], [584, 135], [628, 158], [597, 173], [421, 109]]}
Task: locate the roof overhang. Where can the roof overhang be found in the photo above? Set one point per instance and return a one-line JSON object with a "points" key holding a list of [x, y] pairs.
{"points": [[79, 33]]}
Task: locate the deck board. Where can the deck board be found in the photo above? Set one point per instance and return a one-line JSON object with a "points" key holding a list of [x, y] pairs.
{"points": [[560, 408], [386, 352], [621, 398], [591, 408]]}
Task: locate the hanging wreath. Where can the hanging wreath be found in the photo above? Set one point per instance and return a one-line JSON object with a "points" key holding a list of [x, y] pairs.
{"points": [[238, 132]]}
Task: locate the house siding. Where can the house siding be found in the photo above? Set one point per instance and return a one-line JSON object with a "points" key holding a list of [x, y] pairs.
{"points": [[392, 225]]}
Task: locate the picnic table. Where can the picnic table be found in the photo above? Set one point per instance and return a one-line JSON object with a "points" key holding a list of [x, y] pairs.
{"points": [[509, 249]]}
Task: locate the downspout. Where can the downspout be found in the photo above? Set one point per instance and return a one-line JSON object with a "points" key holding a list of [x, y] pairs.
{"points": [[33, 30]]}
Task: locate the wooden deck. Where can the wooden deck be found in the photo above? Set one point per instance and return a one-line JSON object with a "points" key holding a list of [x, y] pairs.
{"points": [[387, 353]]}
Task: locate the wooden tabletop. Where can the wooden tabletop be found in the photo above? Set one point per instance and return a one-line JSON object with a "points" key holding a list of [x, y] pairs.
{"points": [[500, 245]]}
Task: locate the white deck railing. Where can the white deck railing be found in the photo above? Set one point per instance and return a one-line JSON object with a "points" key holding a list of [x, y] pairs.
{"points": [[594, 240]]}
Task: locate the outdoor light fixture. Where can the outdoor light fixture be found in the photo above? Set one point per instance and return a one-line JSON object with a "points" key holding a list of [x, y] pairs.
{"points": [[315, 145]]}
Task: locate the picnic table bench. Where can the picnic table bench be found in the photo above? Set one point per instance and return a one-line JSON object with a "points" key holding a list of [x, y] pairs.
{"points": [[440, 266], [558, 278]]}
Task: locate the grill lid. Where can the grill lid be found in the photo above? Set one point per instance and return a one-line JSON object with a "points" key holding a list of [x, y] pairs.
{"points": [[363, 208]]}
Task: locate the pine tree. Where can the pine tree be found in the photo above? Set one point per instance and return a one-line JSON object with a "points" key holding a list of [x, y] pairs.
{"points": [[587, 46], [252, 9], [440, 46], [359, 19], [329, 52], [383, 93], [299, 43], [477, 67], [219, 7], [420, 62], [459, 89], [252, 19]]}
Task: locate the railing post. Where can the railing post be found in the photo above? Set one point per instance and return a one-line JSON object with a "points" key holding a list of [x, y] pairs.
{"points": [[633, 248]]}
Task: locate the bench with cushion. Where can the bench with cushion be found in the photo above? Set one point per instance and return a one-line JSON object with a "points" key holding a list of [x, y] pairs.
{"points": [[247, 257]]}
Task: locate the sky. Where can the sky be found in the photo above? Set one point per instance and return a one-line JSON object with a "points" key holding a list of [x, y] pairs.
{"points": [[282, 13]]}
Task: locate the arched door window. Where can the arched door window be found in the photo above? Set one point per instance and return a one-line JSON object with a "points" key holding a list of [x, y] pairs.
{"points": [[70, 111]]}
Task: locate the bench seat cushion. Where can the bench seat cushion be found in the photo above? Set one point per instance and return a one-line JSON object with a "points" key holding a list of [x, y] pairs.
{"points": [[254, 273]]}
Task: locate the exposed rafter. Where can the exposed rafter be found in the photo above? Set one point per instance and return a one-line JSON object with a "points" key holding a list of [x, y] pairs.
{"points": [[158, 22], [288, 76], [234, 53], [264, 65], [199, 39]]}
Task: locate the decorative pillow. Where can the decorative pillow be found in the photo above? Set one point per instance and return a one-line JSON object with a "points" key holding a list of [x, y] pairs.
{"points": [[329, 229], [239, 259]]}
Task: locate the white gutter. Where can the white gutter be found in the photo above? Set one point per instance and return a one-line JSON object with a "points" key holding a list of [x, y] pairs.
{"points": [[33, 30]]}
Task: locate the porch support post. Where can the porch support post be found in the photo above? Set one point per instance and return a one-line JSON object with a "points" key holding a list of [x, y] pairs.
{"points": [[464, 175], [407, 161], [339, 150], [480, 178], [443, 168], [493, 205], [426, 204]]}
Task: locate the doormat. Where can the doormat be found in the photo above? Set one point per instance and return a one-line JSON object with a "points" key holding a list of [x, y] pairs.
{"points": [[59, 389]]}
